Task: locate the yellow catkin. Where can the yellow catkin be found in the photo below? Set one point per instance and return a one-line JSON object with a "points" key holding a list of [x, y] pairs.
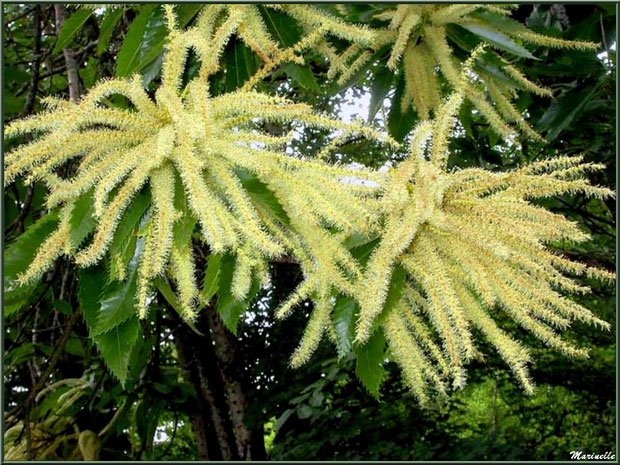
{"points": [[414, 28], [470, 242], [184, 133]]}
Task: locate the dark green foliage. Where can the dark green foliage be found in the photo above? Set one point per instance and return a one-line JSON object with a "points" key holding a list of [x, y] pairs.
{"points": [[352, 406]]}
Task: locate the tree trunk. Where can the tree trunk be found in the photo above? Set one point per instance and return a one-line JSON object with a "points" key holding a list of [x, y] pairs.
{"points": [[250, 446], [214, 436]]}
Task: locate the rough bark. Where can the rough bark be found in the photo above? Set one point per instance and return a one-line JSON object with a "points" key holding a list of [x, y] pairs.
{"points": [[250, 446], [199, 364]]}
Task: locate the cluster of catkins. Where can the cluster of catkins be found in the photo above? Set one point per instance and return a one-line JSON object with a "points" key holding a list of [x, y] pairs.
{"points": [[468, 242]]}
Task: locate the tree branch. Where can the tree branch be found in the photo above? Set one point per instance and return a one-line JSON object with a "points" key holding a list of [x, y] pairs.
{"points": [[58, 352], [72, 66]]}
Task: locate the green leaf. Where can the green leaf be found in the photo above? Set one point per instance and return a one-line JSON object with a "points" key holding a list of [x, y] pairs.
{"points": [[369, 363], [18, 256], [304, 412], [263, 196], [501, 22], [118, 299], [71, 27], [155, 38], [563, 111], [90, 73], [62, 306], [163, 286], [91, 281], [19, 355], [116, 345], [147, 419], [395, 291], [124, 241], [240, 64], [20, 253], [381, 85], [230, 309], [302, 75], [110, 20], [185, 13], [74, 347], [280, 27], [399, 125], [82, 221], [140, 356], [345, 315], [152, 70], [499, 40], [317, 399], [136, 42], [212, 278], [362, 252], [280, 422]]}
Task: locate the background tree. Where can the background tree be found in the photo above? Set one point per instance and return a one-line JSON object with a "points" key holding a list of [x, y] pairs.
{"points": [[209, 393]]}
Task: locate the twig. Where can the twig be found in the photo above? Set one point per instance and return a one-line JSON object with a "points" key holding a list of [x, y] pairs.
{"points": [[58, 351]]}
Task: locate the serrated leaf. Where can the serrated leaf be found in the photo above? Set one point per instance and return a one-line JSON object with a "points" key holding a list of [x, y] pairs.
{"points": [[344, 317], [230, 309], [18, 256], [131, 51], [212, 278], [91, 281], [71, 27], [381, 85], [118, 299], [369, 363], [110, 20], [563, 111], [20, 253], [82, 221], [116, 345], [499, 40], [502, 22]]}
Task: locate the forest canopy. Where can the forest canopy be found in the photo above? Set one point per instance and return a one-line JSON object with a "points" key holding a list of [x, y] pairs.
{"points": [[308, 231]]}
